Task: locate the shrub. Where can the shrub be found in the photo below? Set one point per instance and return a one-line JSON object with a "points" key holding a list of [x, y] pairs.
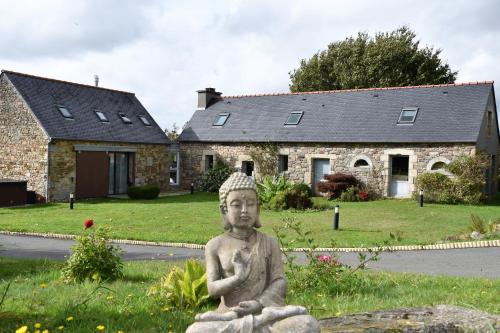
{"points": [[92, 259], [212, 180], [143, 192], [183, 288], [284, 195], [336, 184], [270, 186], [297, 198], [350, 195], [301, 187], [436, 186]]}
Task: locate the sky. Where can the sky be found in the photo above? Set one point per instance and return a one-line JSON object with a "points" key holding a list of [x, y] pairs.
{"points": [[164, 51]]}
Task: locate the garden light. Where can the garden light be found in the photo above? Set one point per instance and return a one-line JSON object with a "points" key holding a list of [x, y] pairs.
{"points": [[71, 200], [336, 218], [421, 198], [192, 188]]}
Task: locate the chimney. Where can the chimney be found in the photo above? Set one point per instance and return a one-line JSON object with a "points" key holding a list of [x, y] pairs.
{"points": [[207, 97], [96, 80]]}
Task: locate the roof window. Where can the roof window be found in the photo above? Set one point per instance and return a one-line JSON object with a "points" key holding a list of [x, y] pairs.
{"points": [[407, 115], [125, 119], [102, 117], [294, 118], [144, 120], [65, 112], [221, 119]]}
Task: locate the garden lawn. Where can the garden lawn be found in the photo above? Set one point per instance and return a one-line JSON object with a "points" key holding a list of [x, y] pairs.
{"points": [[37, 295], [196, 219]]}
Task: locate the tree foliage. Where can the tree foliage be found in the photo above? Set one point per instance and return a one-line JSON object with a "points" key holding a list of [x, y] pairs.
{"points": [[389, 59]]}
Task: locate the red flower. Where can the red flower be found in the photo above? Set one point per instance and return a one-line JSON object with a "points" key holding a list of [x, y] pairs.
{"points": [[88, 223], [363, 196]]}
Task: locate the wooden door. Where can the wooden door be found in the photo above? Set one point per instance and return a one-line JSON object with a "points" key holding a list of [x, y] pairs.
{"points": [[92, 169]]}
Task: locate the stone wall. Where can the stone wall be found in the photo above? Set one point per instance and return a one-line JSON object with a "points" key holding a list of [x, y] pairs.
{"points": [[23, 143], [151, 165], [342, 159]]}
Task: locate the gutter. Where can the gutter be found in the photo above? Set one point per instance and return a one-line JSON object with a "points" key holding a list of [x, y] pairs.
{"points": [[47, 182]]}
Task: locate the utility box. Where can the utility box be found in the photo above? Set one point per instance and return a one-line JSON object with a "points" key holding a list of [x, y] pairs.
{"points": [[12, 192]]}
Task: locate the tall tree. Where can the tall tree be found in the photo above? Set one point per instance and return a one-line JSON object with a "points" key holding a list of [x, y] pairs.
{"points": [[389, 59]]}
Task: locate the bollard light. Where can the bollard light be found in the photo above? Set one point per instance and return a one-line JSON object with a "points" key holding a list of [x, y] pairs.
{"points": [[336, 218], [421, 198], [71, 200], [192, 188]]}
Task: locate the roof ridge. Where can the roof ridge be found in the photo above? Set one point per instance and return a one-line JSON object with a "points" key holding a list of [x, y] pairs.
{"points": [[67, 82], [472, 83]]}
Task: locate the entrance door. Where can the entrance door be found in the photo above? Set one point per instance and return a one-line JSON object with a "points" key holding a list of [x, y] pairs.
{"points": [[121, 172], [321, 167], [91, 174], [399, 176]]}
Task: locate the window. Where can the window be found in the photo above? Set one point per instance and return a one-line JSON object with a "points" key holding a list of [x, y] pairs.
{"points": [[102, 117], [282, 163], [407, 115], [124, 118], [294, 118], [65, 112], [174, 168], [438, 166], [209, 162], [361, 163], [144, 120], [221, 119], [489, 120]]}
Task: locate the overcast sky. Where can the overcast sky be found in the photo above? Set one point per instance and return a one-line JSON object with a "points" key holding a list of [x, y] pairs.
{"points": [[164, 51]]}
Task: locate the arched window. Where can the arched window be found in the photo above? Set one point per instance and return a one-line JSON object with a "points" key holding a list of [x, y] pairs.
{"points": [[438, 166], [361, 163]]}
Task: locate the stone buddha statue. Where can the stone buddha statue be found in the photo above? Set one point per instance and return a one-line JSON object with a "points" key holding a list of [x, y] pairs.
{"points": [[245, 270]]}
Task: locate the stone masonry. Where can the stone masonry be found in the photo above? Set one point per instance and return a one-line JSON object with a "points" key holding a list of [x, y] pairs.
{"points": [[342, 158], [23, 143], [151, 165]]}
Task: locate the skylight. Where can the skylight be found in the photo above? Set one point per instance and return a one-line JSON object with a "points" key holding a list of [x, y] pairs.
{"points": [[407, 115], [221, 119], [294, 118], [65, 112], [144, 120], [125, 119], [102, 117]]}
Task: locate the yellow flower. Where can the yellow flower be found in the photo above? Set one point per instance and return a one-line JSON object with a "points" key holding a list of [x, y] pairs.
{"points": [[119, 332], [43, 285], [109, 298], [45, 331], [38, 325], [60, 328], [37, 331], [100, 328], [23, 329], [70, 318]]}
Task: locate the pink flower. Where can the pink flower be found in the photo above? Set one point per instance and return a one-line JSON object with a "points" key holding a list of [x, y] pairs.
{"points": [[88, 223], [324, 258]]}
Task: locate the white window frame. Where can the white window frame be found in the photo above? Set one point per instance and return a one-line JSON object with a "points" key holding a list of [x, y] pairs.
{"points": [[415, 109], [176, 169], [300, 113]]}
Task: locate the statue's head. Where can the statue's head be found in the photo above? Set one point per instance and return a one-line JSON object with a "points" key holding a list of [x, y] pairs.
{"points": [[239, 202]]}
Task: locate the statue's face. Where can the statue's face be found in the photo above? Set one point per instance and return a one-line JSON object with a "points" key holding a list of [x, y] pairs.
{"points": [[242, 208]]}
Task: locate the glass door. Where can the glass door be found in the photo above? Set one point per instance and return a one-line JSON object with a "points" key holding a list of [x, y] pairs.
{"points": [[121, 172]]}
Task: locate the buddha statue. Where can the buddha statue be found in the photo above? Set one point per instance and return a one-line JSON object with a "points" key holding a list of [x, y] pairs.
{"points": [[245, 270]]}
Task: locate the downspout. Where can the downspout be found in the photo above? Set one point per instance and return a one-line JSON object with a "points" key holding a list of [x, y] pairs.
{"points": [[47, 183]]}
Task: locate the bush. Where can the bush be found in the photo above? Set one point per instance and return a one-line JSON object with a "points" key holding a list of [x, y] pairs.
{"points": [[297, 198], [270, 186], [436, 187], [336, 184], [92, 259], [301, 187], [184, 289], [285, 195], [212, 180], [350, 195], [143, 192]]}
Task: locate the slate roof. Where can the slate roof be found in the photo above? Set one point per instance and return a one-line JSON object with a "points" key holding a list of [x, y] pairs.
{"points": [[446, 113], [43, 95]]}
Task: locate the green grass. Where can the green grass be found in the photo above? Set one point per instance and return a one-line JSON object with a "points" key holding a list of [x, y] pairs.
{"points": [[37, 294], [196, 219]]}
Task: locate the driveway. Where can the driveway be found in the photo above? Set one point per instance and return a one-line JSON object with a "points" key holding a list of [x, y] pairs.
{"points": [[475, 262]]}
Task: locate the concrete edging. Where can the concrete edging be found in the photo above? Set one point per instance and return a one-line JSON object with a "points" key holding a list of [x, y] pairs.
{"points": [[443, 246]]}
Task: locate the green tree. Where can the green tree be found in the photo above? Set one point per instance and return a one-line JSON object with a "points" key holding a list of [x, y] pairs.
{"points": [[389, 59]]}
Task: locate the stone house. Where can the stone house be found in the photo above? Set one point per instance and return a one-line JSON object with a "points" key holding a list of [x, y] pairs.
{"points": [[64, 137], [384, 135]]}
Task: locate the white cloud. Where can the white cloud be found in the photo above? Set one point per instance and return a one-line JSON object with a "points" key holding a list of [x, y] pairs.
{"points": [[166, 50]]}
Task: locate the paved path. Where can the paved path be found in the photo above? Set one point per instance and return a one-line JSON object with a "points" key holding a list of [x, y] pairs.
{"points": [[479, 262]]}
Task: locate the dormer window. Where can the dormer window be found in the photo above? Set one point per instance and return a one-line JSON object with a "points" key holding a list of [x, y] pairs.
{"points": [[294, 118], [144, 120], [408, 115], [102, 117], [124, 118], [221, 119], [65, 112]]}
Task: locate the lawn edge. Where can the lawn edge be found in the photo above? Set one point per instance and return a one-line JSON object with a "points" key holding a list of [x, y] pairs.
{"points": [[442, 246]]}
